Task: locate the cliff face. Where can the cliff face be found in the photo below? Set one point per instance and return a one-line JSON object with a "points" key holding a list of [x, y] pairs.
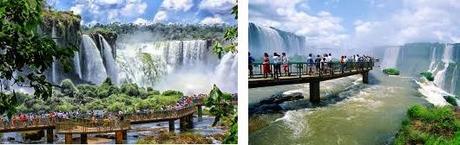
{"points": [[64, 28]]}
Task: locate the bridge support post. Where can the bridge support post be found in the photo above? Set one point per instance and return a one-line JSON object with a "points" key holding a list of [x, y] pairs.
{"points": [[125, 135], [49, 135], [314, 92], [365, 77], [119, 137], [171, 126], [200, 112], [68, 138], [182, 124], [83, 138], [190, 121]]}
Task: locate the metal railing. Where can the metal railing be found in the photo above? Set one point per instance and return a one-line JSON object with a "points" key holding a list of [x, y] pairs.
{"points": [[300, 69]]}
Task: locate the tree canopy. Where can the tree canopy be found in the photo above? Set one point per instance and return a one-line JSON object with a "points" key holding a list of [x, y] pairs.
{"points": [[25, 53]]}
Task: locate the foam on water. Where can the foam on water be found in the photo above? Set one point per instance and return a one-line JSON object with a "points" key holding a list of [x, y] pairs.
{"points": [[433, 94]]}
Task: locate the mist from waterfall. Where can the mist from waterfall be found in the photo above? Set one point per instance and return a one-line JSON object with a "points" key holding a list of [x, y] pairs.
{"points": [[390, 58], [185, 65], [109, 59], [93, 69]]}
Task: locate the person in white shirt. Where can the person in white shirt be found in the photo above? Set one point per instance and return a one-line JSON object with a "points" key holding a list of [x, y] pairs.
{"points": [[276, 65], [285, 62]]}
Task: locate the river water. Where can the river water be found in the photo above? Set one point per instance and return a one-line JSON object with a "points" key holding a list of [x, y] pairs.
{"points": [[137, 131], [365, 114]]}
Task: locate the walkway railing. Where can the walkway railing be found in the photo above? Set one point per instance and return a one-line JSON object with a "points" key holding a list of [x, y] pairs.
{"points": [[304, 69], [162, 115], [90, 126]]}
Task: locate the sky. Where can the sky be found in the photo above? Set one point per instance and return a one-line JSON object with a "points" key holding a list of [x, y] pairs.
{"points": [[361, 23], [149, 11]]}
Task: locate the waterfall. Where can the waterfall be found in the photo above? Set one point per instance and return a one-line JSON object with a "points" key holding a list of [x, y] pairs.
{"points": [[54, 65], [433, 65], [439, 78], [110, 64], [267, 39], [76, 64], [167, 57], [391, 57], [453, 83], [226, 73], [93, 69]]}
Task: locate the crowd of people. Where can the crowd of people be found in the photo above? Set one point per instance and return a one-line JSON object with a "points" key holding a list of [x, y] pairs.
{"points": [[314, 64], [35, 119]]}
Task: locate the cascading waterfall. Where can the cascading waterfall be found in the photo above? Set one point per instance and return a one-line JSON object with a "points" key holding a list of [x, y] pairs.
{"points": [[439, 78], [93, 69], [433, 65], [453, 83], [110, 64], [54, 66], [76, 64], [167, 57], [391, 57], [266, 39], [226, 73]]}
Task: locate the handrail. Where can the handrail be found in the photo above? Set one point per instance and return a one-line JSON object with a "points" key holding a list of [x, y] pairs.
{"points": [[309, 69]]}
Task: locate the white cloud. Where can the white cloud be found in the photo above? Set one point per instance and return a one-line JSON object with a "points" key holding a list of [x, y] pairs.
{"points": [[217, 6], [177, 5], [320, 30], [106, 11], [212, 21], [417, 21], [160, 16], [140, 21]]}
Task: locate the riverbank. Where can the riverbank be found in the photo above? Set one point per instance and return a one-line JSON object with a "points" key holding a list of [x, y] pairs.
{"points": [[430, 125]]}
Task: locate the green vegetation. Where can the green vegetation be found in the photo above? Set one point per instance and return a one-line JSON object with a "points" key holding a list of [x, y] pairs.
{"points": [[451, 100], [230, 36], [127, 98], [428, 76], [22, 47], [430, 126], [391, 71], [164, 31]]}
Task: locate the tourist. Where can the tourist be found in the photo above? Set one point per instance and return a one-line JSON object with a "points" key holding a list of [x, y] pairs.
{"points": [[266, 65], [276, 65], [310, 63], [250, 63], [343, 60], [318, 63], [329, 63], [285, 62]]}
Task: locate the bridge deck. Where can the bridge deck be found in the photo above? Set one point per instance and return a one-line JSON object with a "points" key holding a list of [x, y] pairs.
{"points": [[299, 73]]}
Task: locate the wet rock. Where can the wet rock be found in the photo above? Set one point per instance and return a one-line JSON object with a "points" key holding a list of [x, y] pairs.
{"points": [[11, 139], [272, 105], [33, 135]]}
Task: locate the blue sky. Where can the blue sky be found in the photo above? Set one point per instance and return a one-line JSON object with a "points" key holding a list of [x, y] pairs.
{"points": [[149, 11], [361, 23]]}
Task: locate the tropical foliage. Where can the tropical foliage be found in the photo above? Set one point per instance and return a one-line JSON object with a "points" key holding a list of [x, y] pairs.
{"points": [[391, 71], [428, 76], [22, 48], [429, 126]]}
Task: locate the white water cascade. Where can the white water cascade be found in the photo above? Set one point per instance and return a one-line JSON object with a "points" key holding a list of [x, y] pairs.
{"points": [[166, 57], [110, 64], [433, 65], [226, 73], [93, 67], [264, 39], [76, 64], [439, 78], [453, 83], [391, 57]]}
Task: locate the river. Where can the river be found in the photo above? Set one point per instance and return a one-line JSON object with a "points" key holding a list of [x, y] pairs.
{"points": [[365, 114]]}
